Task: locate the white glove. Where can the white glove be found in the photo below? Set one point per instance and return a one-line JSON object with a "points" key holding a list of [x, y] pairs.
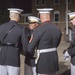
{"points": [[37, 56], [66, 56]]}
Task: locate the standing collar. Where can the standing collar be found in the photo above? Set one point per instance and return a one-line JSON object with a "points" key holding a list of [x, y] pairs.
{"points": [[46, 21], [14, 22]]}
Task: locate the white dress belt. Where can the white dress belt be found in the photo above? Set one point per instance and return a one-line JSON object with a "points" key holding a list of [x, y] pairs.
{"points": [[38, 52], [47, 50]]}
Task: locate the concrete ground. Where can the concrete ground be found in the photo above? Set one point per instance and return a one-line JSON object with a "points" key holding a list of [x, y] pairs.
{"points": [[63, 65]]}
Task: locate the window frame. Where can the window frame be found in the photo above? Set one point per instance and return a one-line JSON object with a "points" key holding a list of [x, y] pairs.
{"points": [[57, 3], [36, 3], [57, 12], [25, 16], [44, 2]]}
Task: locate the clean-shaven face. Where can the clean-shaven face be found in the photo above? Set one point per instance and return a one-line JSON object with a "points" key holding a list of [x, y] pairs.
{"points": [[33, 25], [73, 21]]}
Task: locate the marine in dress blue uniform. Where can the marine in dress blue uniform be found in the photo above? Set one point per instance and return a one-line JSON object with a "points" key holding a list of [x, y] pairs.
{"points": [[70, 52], [46, 39], [11, 35], [30, 66]]}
